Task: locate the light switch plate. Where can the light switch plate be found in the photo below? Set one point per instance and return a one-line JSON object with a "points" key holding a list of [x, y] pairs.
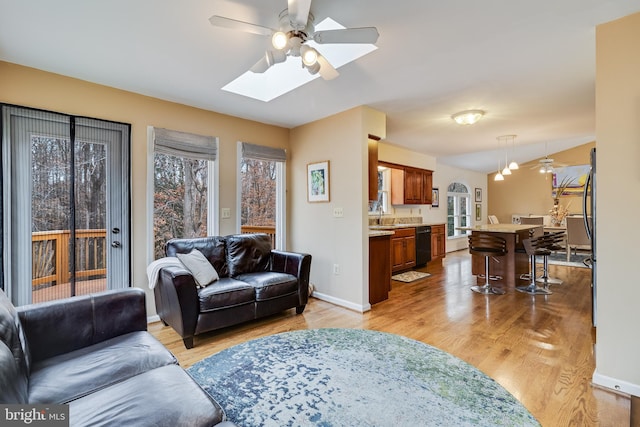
{"points": [[226, 213], [338, 212]]}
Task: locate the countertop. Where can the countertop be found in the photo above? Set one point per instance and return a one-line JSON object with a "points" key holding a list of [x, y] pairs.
{"points": [[379, 233], [499, 228], [387, 230]]}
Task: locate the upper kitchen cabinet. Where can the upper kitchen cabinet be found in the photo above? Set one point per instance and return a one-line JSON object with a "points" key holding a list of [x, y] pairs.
{"points": [[410, 186]]}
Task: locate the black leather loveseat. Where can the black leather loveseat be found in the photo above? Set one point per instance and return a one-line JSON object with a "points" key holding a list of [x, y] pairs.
{"points": [[254, 281], [94, 354]]}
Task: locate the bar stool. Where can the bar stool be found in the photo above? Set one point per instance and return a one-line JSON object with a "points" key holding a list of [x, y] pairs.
{"points": [[534, 247], [551, 242], [488, 246]]}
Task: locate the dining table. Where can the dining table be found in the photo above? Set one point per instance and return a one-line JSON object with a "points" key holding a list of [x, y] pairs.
{"points": [[514, 263]]}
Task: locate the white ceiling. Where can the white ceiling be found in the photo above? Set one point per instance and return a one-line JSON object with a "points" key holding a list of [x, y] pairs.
{"points": [[529, 64]]}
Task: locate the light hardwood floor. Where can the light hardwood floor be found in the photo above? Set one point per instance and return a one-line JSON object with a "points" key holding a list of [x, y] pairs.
{"points": [[540, 348]]}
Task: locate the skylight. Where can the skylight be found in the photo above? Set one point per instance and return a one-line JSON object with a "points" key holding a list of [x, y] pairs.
{"points": [[286, 76]]}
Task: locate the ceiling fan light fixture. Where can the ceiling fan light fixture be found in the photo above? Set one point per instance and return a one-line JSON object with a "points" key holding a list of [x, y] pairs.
{"points": [[279, 40], [309, 55], [468, 117], [313, 69]]}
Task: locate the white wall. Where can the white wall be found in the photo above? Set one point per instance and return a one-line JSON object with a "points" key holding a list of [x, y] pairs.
{"points": [[618, 204], [341, 139], [443, 175], [448, 174]]}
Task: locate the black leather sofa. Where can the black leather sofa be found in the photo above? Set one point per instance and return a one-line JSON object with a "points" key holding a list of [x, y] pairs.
{"points": [[94, 354], [255, 281]]}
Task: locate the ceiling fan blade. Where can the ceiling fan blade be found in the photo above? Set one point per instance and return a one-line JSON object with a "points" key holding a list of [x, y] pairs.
{"points": [[270, 58], [348, 35], [299, 13], [261, 66], [327, 71], [233, 24]]}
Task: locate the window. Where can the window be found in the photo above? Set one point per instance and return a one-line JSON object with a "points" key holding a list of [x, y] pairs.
{"points": [[458, 209], [183, 176], [261, 184]]}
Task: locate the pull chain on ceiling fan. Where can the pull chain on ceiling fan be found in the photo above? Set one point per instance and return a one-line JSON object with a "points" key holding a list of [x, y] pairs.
{"points": [[296, 28]]}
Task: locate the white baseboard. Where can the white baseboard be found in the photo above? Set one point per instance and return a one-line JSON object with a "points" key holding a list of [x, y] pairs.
{"points": [[616, 385], [342, 303], [153, 319]]}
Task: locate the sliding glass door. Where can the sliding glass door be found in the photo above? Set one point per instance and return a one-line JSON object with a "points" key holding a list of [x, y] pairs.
{"points": [[66, 205]]}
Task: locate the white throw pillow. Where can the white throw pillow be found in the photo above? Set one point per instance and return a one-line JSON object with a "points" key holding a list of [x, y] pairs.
{"points": [[199, 267]]}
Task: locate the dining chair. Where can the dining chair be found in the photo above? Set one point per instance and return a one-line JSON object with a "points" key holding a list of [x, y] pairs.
{"points": [[577, 237], [534, 220]]}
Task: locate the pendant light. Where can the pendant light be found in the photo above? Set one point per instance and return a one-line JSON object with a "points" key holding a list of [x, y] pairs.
{"points": [[508, 140], [498, 176], [513, 165], [506, 170]]}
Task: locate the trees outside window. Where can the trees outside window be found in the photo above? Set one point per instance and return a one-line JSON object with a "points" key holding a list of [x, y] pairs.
{"points": [[258, 202], [180, 199]]}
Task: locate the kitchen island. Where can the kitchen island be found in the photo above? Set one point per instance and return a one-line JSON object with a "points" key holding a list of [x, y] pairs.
{"points": [[514, 263]]}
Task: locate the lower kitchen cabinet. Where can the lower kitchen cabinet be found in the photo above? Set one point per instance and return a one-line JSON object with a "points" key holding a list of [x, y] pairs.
{"points": [[403, 249], [438, 242]]}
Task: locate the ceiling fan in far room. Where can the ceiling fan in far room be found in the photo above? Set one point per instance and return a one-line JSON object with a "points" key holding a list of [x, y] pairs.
{"points": [[547, 165], [296, 29]]}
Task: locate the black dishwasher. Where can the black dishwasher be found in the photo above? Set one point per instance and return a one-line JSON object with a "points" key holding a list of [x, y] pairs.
{"points": [[423, 245]]}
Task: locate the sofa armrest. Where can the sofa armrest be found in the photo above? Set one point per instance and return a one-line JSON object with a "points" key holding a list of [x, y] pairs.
{"points": [[61, 326], [297, 264], [176, 299]]}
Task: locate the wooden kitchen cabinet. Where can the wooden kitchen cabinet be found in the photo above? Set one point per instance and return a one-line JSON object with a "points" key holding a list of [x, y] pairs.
{"points": [[411, 186], [379, 268], [403, 249], [438, 242]]}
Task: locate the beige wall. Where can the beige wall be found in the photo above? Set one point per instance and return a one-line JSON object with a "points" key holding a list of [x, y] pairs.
{"points": [[33, 88], [341, 139], [618, 204], [527, 191]]}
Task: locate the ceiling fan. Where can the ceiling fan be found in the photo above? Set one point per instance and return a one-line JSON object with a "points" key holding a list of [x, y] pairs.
{"points": [[547, 165], [296, 29]]}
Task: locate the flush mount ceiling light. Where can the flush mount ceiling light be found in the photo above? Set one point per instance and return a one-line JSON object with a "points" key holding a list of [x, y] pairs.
{"points": [[467, 117]]}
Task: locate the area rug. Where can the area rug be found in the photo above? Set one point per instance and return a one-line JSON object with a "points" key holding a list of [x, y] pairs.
{"points": [[352, 377], [576, 260], [410, 276]]}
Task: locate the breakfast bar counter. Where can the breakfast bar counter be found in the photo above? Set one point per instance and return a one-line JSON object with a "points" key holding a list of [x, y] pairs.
{"points": [[515, 263]]}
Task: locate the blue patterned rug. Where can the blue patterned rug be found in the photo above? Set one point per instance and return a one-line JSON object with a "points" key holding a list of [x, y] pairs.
{"points": [[353, 377]]}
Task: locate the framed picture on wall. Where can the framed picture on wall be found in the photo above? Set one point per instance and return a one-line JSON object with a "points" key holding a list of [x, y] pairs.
{"points": [[478, 194], [318, 182], [478, 212], [435, 198]]}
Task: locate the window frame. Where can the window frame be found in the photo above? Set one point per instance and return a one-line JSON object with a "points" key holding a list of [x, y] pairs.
{"points": [[213, 195]]}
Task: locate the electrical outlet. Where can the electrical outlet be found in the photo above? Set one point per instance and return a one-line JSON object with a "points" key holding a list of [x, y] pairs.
{"points": [[336, 269], [338, 212], [226, 213]]}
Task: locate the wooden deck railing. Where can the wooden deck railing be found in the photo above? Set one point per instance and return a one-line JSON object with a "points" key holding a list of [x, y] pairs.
{"points": [[271, 231], [50, 255]]}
